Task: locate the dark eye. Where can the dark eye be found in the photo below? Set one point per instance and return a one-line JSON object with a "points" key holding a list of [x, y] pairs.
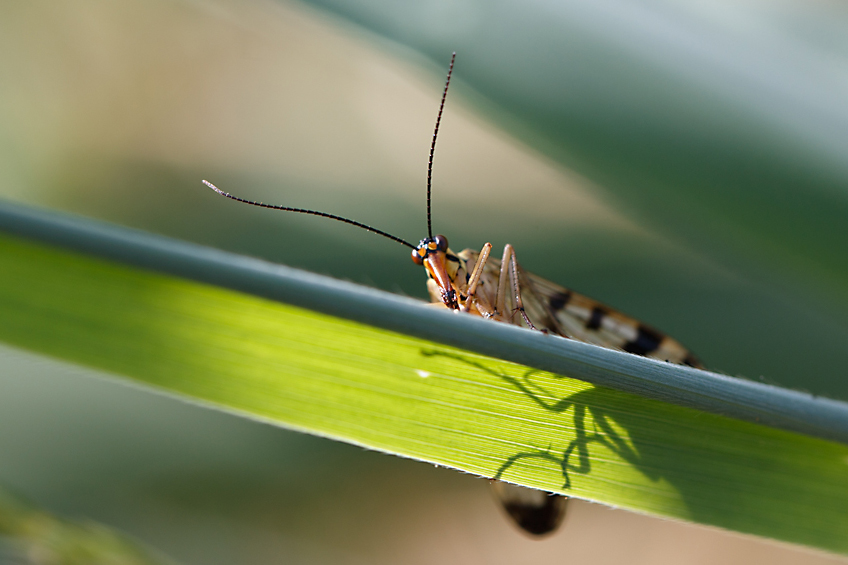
{"points": [[417, 258], [441, 242]]}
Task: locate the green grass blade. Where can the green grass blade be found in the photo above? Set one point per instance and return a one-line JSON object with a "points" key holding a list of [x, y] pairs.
{"points": [[311, 371], [738, 398]]}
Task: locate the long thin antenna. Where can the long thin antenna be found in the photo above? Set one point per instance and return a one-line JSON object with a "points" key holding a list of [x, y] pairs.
{"points": [[433, 147], [312, 212]]}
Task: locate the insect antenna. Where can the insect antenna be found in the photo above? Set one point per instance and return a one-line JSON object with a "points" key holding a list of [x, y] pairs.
{"points": [[311, 212], [433, 147]]}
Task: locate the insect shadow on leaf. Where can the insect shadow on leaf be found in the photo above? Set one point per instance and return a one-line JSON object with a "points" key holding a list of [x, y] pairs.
{"points": [[603, 433]]}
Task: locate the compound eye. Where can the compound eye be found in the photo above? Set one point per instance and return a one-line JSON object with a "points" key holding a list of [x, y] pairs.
{"points": [[441, 242], [417, 258]]}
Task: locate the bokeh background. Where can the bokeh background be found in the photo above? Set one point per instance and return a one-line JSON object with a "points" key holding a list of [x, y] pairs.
{"points": [[685, 163]]}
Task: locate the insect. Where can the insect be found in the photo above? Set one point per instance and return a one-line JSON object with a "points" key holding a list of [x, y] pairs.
{"points": [[475, 283]]}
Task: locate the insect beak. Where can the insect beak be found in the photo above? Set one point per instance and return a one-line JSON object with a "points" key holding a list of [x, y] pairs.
{"points": [[435, 264]]}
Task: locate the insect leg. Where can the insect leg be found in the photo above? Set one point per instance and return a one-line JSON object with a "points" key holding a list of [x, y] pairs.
{"points": [[475, 276], [500, 300], [509, 270]]}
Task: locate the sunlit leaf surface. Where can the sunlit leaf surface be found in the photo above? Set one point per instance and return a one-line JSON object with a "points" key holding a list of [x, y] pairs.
{"points": [[403, 395]]}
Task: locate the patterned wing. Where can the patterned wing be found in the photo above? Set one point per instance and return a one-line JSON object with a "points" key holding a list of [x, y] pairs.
{"points": [[585, 319], [564, 312]]}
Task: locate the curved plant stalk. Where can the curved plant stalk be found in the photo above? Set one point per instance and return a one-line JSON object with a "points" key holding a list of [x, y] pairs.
{"points": [[388, 373]]}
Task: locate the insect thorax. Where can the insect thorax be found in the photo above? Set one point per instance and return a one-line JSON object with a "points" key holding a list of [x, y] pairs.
{"points": [[458, 267]]}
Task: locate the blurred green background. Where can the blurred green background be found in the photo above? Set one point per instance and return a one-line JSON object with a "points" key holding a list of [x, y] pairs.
{"points": [[684, 163]]}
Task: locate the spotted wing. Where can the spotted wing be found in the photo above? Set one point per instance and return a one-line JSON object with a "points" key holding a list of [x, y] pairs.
{"points": [[584, 319], [564, 312]]}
